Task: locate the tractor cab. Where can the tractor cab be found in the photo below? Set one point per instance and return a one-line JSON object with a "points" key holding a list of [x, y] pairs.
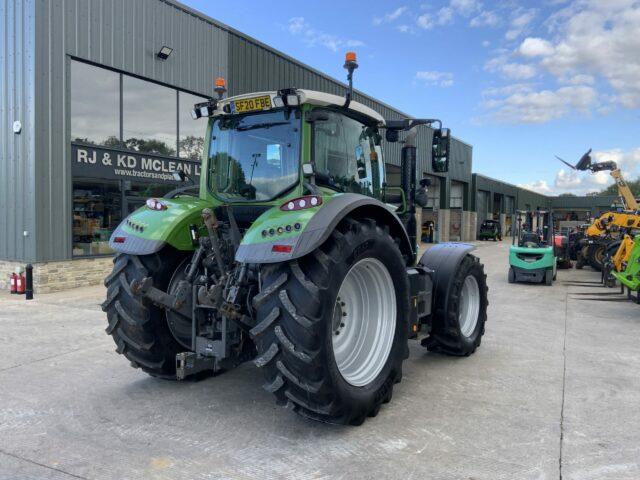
{"points": [[532, 254], [296, 149]]}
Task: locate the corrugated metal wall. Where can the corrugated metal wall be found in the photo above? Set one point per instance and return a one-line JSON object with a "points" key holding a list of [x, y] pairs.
{"points": [[121, 34], [17, 215], [533, 199], [483, 206]]}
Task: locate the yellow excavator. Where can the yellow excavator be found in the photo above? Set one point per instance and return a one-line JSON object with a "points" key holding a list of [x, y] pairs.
{"points": [[610, 226]]}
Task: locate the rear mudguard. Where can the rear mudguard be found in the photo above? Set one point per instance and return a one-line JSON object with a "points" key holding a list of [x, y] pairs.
{"points": [[280, 236], [147, 231], [443, 260]]}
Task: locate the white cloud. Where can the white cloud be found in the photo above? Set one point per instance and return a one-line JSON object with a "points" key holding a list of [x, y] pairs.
{"points": [[445, 16], [425, 21], [465, 7], [515, 71], [535, 47], [486, 43], [298, 26], [519, 23], [539, 186], [528, 106], [518, 71], [580, 79], [599, 39], [405, 28], [391, 16], [508, 90], [590, 43], [435, 78], [486, 18]]}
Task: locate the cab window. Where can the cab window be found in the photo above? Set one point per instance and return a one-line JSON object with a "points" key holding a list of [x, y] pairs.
{"points": [[347, 155]]}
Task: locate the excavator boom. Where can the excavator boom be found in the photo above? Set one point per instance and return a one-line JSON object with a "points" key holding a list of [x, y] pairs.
{"points": [[624, 190]]}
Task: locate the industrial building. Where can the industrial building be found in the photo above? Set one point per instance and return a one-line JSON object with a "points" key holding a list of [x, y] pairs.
{"points": [[95, 100]]}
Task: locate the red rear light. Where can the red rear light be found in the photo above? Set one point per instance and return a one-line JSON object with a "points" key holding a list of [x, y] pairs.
{"points": [[300, 203], [155, 204], [119, 239], [282, 248]]}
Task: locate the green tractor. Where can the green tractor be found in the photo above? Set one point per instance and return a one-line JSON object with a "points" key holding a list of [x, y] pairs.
{"points": [[532, 254], [291, 254]]}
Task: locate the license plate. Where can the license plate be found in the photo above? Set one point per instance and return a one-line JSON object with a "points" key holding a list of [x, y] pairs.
{"points": [[251, 104]]}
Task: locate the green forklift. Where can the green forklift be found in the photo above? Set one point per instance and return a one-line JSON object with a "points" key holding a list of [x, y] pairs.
{"points": [[532, 256]]}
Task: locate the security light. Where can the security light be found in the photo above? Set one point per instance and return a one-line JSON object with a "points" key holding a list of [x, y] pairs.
{"points": [[164, 52]]}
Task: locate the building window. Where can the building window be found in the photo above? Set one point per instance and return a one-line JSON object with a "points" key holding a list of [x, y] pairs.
{"points": [[97, 210], [149, 122], [192, 132], [457, 195], [95, 105], [127, 136]]}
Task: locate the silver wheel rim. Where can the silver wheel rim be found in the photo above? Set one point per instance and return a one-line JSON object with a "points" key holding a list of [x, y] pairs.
{"points": [[469, 306], [364, 320]]}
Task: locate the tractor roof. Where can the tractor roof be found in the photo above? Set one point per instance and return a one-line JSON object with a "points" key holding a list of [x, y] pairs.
{"points": [[314, 98]]}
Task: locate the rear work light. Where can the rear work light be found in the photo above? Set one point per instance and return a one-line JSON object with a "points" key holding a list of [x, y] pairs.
{"points": [[300, 203], [282, 248], [119, 239], [155, 204]]}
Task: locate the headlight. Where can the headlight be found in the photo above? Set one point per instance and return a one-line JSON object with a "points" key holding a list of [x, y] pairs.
{"points": [[155, 204]]}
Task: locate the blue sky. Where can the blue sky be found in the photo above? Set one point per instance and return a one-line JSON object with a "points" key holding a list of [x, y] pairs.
{"points": [[521, 81]]}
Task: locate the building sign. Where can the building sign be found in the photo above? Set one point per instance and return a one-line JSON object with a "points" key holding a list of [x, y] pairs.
{"points": [[99, 162]]}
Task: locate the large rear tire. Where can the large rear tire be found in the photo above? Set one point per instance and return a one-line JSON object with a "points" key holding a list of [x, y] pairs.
{"points": [[458, 330], [332, 327], [139, 328]]}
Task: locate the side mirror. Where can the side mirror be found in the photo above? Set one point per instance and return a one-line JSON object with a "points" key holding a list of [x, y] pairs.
{"points": [[440, 150], [391, 136], [317, 115]]}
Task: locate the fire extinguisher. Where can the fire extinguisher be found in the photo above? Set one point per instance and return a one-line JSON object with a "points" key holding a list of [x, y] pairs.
{"points": [[20, 284], [13, 281]]}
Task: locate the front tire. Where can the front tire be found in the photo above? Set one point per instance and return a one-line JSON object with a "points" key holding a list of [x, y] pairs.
{"points": [[548, 277], [512, 275], [299, 311], [139, 328]]}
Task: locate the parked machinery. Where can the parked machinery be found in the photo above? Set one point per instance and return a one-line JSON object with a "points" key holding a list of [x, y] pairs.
{"points": [[291, 254], [490, 230], [629, 273], [606, 228], [532, 256]]}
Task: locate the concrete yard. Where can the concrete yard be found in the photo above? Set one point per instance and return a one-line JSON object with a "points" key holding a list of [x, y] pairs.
{"points": [[553, 392]]}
